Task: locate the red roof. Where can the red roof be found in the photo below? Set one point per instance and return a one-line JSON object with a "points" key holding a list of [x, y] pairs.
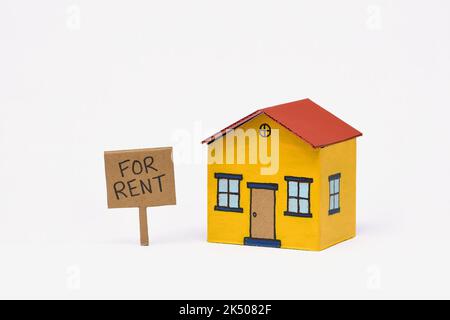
{"points": [[305, 119]]}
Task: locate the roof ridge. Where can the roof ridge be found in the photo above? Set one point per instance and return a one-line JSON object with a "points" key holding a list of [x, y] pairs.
{"points": [[308, 120]]}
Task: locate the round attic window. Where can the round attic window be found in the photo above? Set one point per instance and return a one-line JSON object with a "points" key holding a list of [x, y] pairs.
{"points": [[265, 130]]}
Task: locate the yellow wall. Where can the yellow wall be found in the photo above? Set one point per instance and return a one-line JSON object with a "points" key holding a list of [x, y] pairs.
{"points": [[299, 159], [338, 158]]}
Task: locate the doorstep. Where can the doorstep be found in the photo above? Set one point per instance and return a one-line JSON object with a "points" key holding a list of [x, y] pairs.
{"points": [[272, 243]]}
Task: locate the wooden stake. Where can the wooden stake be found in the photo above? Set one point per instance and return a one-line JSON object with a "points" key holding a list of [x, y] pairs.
{"points": [[143, 226]]}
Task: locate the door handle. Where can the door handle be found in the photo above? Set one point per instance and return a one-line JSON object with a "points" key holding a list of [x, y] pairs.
{"points": [[255, 214]]}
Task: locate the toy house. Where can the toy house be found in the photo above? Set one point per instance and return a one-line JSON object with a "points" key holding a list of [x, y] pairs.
{"points": [[284, 177]]}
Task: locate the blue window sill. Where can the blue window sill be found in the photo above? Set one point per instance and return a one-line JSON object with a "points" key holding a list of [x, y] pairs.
{"points": [[226, 209], [299, 215], [334, 211]]}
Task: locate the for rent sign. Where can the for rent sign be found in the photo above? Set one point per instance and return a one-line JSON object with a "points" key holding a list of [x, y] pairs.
{"points": [[140, 179]]}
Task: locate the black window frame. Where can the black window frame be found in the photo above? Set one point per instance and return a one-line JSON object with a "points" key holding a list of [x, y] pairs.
{"points": [[299, 180], [228, 177], [333, 178]]}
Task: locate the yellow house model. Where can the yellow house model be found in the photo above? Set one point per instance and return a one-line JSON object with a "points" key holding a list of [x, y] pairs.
{"points": [[284, 176]]}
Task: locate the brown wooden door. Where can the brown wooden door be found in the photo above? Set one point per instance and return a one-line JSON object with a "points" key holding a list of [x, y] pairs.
{"points": [[262, 214]]}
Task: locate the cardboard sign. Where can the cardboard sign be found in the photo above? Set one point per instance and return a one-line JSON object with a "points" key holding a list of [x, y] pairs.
{"points": [[140, 178]]}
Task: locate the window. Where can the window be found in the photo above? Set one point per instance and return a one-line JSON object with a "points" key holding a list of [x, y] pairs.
{"points": [[335, 190], [265, 130], [299, 193], [228, 192]]}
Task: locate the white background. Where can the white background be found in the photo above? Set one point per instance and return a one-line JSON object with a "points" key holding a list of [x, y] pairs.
{"points": [[80, 77]]}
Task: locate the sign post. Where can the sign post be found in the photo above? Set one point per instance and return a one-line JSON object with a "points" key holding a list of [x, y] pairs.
{"points": [[140, 179], [143, 224]]}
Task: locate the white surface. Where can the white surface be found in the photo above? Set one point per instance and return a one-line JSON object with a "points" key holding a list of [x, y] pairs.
{"points": [[153, 73]]}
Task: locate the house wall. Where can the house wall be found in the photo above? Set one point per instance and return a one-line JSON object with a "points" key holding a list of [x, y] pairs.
{"points": [[338, 158], [297, 158]]}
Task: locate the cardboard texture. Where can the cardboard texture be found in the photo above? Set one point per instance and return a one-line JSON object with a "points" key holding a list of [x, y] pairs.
{"points": [[140, 179], [308, 203], [143, 226], [262, 224]]}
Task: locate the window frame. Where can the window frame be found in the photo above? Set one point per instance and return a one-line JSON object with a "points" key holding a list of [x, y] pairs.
{"points": [[299, 180], [228, 177], [334, 177]]}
